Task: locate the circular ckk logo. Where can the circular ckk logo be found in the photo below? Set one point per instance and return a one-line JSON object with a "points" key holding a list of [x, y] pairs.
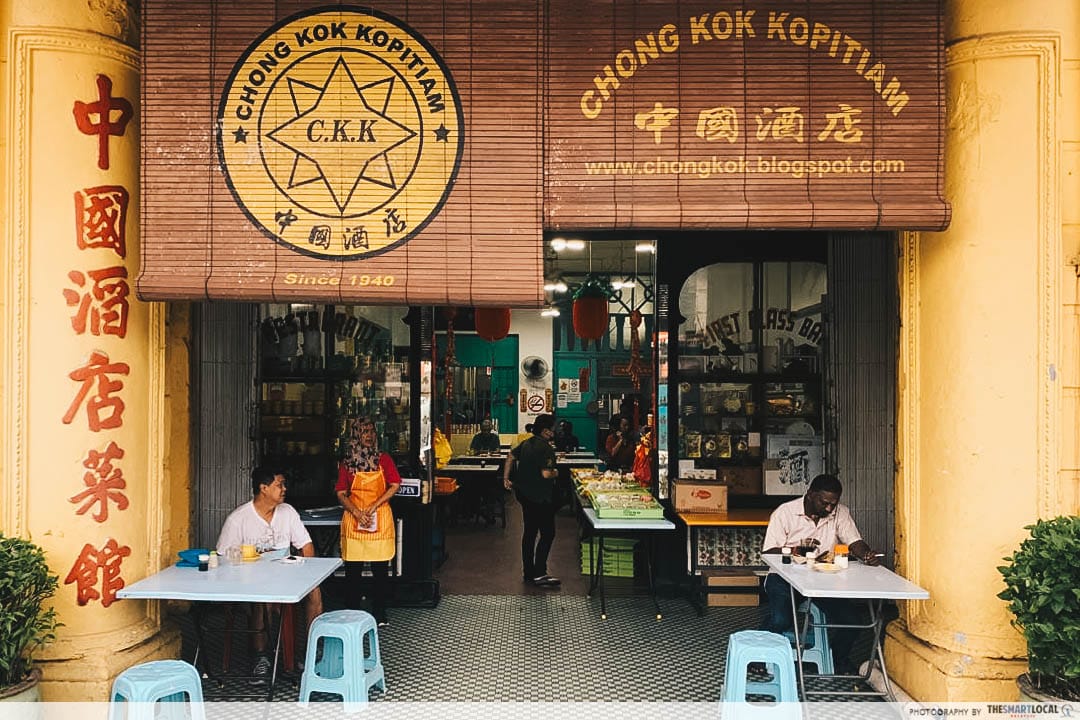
{"points": [[340, 132]]}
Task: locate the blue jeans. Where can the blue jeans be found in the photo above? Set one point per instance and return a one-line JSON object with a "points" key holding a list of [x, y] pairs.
{"points": [[837, 610]]}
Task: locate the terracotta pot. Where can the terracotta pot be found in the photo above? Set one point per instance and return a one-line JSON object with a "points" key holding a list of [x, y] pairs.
{"points": [[28, 691], [1030, 693], [590, 317]]}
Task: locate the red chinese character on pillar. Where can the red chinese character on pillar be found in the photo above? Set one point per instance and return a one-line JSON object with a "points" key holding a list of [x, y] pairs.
{"points": [[101, 218], [96, 118], [105, 304], [103, 483], [98, 368], [85, 572]]}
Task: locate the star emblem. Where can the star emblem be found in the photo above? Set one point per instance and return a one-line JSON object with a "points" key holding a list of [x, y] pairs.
{"points": [[240, 135], [441, 133], [342, 134]]}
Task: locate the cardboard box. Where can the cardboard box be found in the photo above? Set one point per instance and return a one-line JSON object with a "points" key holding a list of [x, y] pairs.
{"points": [[745, 599], [733, 579], [699, 495], [741, 480]]}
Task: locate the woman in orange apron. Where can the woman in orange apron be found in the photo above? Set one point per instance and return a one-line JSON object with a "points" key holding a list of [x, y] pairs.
{"points": [[367, 479]]}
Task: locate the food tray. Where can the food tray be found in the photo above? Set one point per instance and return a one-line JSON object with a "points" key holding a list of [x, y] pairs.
{"points": [[626, 504]]}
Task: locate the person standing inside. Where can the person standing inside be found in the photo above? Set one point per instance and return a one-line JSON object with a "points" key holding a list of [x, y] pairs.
{"points": [[620, 445], [817, 520], [367, 479], [531, 466], [269, 523]]}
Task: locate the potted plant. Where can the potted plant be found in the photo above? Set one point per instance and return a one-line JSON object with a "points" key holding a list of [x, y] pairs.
{"points": [[25, 624], [1042, 588]]}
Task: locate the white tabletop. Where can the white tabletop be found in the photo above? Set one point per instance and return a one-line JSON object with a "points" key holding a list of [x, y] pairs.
{"points": [[627, 524], [578, 461], [492, 466], [857, 581], [264, 580], [322, 517]]}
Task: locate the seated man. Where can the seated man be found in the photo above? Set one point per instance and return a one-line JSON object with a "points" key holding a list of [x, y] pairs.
{"points": [[565, 439], [816, 519], [274, 524], [485, 441]]}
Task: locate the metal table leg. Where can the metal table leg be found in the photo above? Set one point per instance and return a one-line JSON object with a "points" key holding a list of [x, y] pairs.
{"points": [[649, 570], [600, 578], [798, 643]]}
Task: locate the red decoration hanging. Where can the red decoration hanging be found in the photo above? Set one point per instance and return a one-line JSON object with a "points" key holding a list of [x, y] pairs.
{"points": [[590, 317], [492, 323]]}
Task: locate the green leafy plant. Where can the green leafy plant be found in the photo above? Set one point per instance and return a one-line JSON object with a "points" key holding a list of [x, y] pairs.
{"points": [[593, 286], [25, 624], [1042, 588]]}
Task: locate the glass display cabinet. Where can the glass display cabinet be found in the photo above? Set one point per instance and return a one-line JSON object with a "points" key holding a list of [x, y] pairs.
{"points": [[748, 374], [319, 368]]}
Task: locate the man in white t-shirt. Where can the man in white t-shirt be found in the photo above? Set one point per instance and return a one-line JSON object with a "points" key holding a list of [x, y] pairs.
{"points": [[268, 522], [818, 520]]}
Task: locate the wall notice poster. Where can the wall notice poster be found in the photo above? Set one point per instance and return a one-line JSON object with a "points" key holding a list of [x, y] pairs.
{"points": [[791, 462]]}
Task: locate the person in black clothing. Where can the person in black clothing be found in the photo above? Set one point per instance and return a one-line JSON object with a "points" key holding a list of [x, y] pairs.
{"points": [[534, 486], [620, 445], [565, 439], [486, 441]]}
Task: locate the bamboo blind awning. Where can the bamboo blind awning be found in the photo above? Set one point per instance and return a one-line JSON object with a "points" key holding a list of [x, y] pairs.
{"points": [[382, 156], [415, 152], [752, 114]]}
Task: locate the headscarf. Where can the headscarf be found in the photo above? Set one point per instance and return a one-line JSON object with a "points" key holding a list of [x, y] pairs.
{"points": [[359, 457]]}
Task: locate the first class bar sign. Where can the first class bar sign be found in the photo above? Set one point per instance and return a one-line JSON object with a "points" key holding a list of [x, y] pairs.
{"points": [[340, 133]]}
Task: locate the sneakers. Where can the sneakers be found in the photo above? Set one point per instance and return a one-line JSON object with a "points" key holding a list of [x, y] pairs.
{"points": [[261, 671], [546, 581]]}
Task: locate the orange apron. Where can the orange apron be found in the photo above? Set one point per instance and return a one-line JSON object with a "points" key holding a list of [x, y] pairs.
{"points": [[360, 545]]}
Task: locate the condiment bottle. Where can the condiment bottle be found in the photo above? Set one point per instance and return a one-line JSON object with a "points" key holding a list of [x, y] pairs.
{"points": [[840, 556], [213, 563], [785, 555]]}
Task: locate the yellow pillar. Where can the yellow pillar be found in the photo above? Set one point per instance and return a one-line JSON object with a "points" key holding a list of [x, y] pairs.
{"points": [[989, 346], [83, 394]]}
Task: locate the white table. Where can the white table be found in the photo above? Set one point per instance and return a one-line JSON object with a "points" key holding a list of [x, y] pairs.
{"points": [[263, 581], [602, 527], [874, 584], [578, 461], [480, 478], [324, 526]]}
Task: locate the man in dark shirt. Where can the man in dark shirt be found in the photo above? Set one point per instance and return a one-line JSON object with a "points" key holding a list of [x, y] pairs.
{"points": [[565, 439], [485, 441], [534, 485]]}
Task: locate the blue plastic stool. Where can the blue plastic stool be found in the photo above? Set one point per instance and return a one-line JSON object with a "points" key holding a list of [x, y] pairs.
{"points": [[350, 663], [819, 653], [816, 648], [749, 646], [141, 686]]}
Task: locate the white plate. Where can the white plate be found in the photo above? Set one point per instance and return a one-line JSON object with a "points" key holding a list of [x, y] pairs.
{"points": [[827, 567]]}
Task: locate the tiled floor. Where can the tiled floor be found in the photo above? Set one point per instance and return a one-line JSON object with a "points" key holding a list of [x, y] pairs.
{"points": [[506, 642]]}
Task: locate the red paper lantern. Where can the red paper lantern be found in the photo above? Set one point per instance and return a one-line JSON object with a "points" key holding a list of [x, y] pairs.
{"points": [[492, 323], [590, 317]]}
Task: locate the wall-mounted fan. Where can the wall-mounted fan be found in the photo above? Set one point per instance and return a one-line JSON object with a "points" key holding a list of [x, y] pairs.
{"points": [[534, 368]]}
